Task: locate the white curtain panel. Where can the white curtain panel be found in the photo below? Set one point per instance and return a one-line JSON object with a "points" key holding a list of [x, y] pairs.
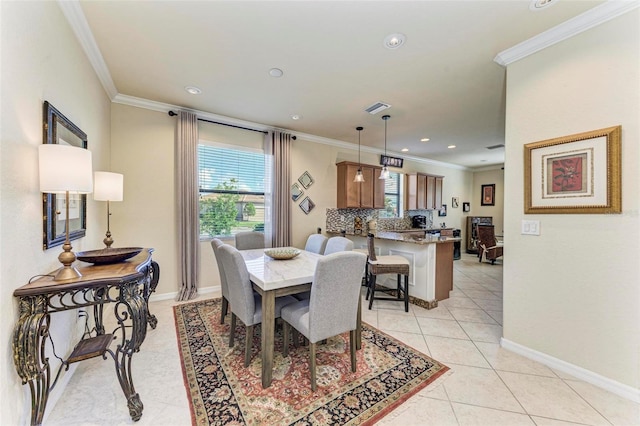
{"points": [[187, 193], [277, 148]]}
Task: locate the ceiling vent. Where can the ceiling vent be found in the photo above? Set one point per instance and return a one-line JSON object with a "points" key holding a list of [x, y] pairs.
{"points": [[377, 107], [496, 146]]}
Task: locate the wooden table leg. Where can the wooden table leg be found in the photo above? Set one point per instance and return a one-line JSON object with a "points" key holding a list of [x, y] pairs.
{"points": [[359, 325], [268, 321]]}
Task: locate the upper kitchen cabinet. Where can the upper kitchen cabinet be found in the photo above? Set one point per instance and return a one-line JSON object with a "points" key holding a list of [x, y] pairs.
{"points": [[360, 195], [423, 192]]}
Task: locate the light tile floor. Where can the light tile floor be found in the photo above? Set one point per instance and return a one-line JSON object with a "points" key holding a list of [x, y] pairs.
{"points": [[488, 385]]}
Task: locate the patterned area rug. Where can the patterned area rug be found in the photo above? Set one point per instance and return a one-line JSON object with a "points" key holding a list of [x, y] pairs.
{"points": [[222, 391]]}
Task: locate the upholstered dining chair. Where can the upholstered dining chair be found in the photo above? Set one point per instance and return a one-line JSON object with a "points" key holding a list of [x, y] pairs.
{"points": [[245, 304], [249, 240], [487, 244], [216, 244], [336, 244], [315, 243], [389, 264], [336, 284]]}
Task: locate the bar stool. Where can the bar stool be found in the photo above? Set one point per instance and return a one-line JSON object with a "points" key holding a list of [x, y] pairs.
{"points": [[390, 264]]}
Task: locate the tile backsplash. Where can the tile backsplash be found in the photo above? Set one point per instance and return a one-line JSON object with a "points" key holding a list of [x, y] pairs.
{"points": [[344, 220]]}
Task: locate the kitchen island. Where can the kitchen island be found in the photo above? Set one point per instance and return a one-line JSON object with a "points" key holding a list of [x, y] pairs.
{"points": [[430, 259]]}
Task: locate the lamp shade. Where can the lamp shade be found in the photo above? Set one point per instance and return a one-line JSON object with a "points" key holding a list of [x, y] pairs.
{"points": [[65, 168], [107, 186]]}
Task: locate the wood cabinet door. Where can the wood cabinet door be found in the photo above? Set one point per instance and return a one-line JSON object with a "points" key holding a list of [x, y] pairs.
{"points": [[348, 191], [423, 192], [437, 198], [431, 193], [378, 189], [411, 192], [366, 188]]}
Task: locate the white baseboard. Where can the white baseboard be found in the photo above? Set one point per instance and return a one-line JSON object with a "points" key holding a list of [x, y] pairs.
{"points": [[166, 296], [620, 389]]}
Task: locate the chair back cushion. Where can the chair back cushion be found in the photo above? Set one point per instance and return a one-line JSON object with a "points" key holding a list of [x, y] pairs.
{"points": [[239, 284], [316, 243], [486, 235], [216, 244], [249, 240], [333, 305], [336, 244]]}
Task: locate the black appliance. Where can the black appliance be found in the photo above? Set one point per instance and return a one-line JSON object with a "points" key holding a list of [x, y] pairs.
{"points": [[456, 245], [419, 221]]}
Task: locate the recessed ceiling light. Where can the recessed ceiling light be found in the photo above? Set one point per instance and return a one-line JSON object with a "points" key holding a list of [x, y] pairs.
{"points": [[483, 161], [393, 41], [275, 72], [193, 90], [404, 149], [541, 4], [296, 117], [451, 146], [424, 140]]}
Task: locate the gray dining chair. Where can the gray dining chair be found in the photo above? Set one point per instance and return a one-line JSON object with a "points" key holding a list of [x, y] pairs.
{"points": [[249, 240], [332, 308], [216, 244], [315, 243], [245, 304], [336, 244]]}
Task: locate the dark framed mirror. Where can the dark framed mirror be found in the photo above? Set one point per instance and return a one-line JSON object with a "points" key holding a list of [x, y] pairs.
{"points": [[58, 129]]}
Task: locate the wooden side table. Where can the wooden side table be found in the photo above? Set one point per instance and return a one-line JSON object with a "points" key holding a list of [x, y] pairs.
{"points": [[127, 285]]}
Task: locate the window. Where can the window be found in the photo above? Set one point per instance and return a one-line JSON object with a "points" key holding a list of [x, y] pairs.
{"points": [[232, 186], [392, 197]]}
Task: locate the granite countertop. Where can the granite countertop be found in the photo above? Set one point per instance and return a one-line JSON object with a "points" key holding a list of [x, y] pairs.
{"points": [[408, 238], [405, 237]]}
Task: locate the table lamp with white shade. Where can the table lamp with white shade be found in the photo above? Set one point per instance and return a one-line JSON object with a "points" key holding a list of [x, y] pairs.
{"points": [[64, 169], [108, 187]]}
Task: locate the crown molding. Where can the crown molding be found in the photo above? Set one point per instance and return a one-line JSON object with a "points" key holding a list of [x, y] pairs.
{"points": [[589, 19], [165, 108], [78, 23]]}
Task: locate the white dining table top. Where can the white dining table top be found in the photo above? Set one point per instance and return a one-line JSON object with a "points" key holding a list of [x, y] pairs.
{"points": [[271, 274]]}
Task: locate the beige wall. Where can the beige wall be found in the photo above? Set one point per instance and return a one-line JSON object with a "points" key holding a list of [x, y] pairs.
{"points": [[41, 60], [573, 292], [487, 177], [142, 150]]}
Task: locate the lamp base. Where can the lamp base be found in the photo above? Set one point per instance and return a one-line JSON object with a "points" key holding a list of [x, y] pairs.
{"points": [[108, 240], [67, 273], [67, 257]]}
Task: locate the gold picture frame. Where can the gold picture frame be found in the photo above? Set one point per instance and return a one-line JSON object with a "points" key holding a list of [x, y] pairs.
{"points": [[576, 174]]}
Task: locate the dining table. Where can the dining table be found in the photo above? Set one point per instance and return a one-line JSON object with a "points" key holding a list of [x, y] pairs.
{"points": [[273, 278]]}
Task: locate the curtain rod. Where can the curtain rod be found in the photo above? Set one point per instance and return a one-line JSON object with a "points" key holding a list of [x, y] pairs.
{"points": [[171, 114]]}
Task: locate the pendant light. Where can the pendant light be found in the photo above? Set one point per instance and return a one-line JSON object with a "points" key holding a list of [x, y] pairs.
{"points": [[359, 177], [384, 174]]}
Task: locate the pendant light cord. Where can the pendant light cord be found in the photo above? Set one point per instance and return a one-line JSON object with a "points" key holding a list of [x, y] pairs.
{"points": [[359, 129]]}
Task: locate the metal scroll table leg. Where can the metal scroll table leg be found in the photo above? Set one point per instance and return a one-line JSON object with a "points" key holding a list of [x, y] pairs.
{"points": [[29, 336], [149, 287], [131, 314]]}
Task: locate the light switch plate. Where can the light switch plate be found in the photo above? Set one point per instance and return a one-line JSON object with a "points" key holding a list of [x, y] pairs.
{"points": [[530, 227]]}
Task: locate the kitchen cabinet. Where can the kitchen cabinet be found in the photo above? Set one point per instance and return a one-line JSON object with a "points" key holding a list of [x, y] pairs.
{"points": [[360, 195], [423, 192]]}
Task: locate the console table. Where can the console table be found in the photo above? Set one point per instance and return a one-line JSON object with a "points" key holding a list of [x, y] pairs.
{"points": [[127, 285]]}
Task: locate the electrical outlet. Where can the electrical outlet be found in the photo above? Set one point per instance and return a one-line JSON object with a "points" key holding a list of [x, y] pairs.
{"points": [[530, 227]]}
